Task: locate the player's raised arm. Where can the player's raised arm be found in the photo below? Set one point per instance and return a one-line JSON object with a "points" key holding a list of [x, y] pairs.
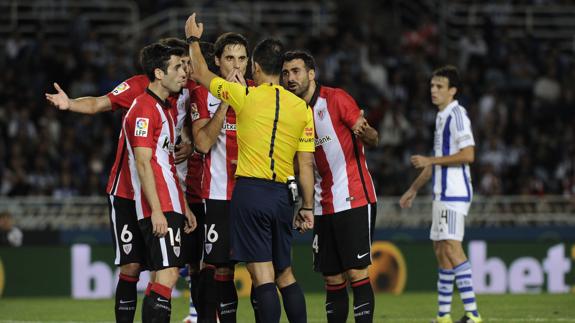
{"points": [[85, 105]]}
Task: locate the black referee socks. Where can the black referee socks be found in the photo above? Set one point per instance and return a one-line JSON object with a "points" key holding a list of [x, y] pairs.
{"points": [[363, 301], [294, 303], [336, 303], [126, 299], [269, 308], [254, 302]]}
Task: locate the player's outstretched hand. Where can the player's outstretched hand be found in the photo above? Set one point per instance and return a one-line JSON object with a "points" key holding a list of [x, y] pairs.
{"points": [[407, 198], [159, 224], [193, 28], [60, 99]]}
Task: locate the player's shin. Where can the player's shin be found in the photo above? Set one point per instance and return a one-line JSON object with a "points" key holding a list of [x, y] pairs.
{"points": [[363, 301], [126, 299], [336, 303]]}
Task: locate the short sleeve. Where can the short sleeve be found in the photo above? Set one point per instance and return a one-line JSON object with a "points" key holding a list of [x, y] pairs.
{"points": [[140, 125], [461, 129], [232, 93], [307, 138], [199, 104], [347, 108], [124, 93]]}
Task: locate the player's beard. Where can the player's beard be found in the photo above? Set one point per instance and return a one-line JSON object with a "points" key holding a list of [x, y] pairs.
{"points": [[301, 89]]}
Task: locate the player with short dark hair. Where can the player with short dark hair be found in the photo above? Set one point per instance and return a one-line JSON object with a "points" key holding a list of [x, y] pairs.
{"points": [[345, 200], [128, 242], [161, 208], [452, 193]]}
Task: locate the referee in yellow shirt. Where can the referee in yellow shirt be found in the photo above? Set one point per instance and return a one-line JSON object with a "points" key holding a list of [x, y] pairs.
{"points": [[273, 127]]}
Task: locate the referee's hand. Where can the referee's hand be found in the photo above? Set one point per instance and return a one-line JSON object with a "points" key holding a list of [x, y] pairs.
{"points": [[159, 224]]}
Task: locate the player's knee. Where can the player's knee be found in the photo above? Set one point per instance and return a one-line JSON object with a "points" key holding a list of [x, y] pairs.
{"points": [[168, 277], [334, 279], [131, 269], [224, 270], [284, 277], [356, 274]]}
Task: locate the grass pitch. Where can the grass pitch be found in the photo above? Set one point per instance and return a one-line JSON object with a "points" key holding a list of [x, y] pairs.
{"points": [[410, 307]]}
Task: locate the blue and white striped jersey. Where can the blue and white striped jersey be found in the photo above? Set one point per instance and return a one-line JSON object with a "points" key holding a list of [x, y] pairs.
{"points": [[452, 184]]}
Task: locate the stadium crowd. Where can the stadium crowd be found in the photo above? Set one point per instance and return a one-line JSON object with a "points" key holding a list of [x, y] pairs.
{"points": [[516, 91]]}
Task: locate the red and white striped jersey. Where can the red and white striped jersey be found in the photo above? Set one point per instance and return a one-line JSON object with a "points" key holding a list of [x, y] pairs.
{"points": [[119, 181], [149, 124], [220, 162], [342, 178]]}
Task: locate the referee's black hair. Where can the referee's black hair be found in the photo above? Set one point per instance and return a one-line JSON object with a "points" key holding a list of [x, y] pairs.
{"points": [[450, 72], [303, 55], [229, 38], [269, 55], [157, 56]]}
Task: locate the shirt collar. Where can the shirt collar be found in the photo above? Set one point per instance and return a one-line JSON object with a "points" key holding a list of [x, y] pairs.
{"points": [[164, 104], [448, 109]]}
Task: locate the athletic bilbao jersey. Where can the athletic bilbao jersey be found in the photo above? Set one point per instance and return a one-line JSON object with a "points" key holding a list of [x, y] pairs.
{"points": [[149, 124], [221, 161], [119, 183], [342, 180], [452, 184]]}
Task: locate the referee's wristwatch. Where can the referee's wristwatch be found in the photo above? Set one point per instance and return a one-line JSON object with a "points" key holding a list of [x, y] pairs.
{"points": [[192, 39]]}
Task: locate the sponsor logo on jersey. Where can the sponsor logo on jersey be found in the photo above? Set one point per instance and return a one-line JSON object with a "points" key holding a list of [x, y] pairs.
{"points": [[229, 126], [308, 132], [167, 145], [141, 127], [177, 251], [120, 88], [208, 247], [322, 140]]}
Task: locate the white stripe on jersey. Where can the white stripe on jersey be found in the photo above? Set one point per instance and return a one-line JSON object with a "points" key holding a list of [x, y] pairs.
{"points": [[218, 157], [340, 187], [183, 102], [452, 184], [163, 159]]}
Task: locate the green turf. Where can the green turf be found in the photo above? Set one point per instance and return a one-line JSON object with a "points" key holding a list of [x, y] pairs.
{"points": [[411, 307]]}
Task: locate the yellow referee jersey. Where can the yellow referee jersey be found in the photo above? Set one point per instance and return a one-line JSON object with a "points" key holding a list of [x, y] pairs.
{"points": [[272, 124]]}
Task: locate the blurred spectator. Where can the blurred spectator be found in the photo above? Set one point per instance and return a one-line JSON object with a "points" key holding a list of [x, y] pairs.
{"points": [[9, 234]]}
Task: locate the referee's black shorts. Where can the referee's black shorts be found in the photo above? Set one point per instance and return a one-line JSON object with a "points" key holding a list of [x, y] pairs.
{"points": [[261, 222]]}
